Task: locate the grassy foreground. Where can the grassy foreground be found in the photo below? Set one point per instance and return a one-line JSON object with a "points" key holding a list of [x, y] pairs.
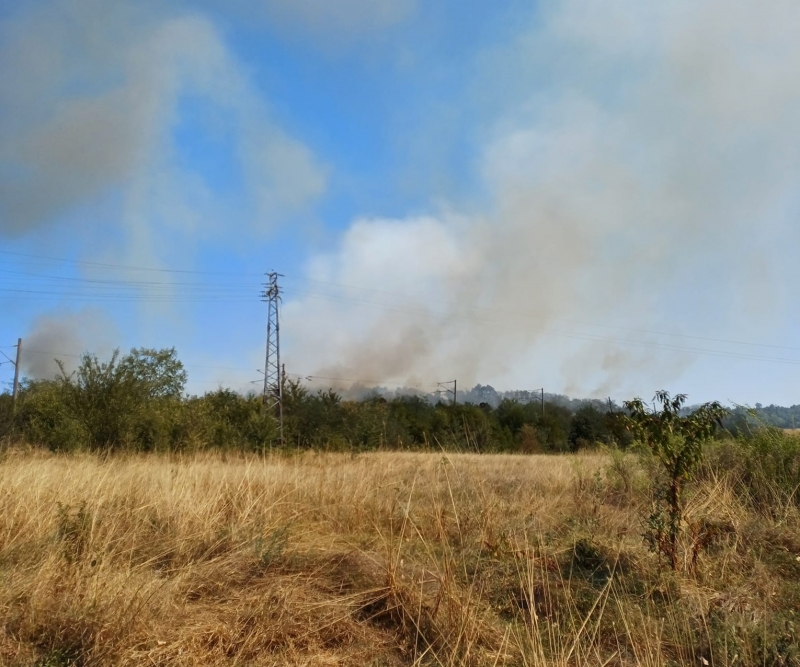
{"points": [[381, 559]]}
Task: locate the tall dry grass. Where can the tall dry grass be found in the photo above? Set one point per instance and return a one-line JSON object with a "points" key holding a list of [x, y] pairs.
{"points": [[378, 559]]}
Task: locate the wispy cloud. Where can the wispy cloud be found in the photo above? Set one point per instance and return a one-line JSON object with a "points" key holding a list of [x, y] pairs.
{"points": [[90, 96], [338, 20]]}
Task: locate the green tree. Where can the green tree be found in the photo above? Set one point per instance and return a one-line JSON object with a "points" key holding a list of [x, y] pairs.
{"points": [[676, 441], [554, 427], [588, 427], [157, 372], [116, 402], [229, 420]]}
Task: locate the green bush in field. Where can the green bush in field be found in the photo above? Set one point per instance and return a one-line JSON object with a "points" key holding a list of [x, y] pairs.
{"points": [[766, 466], [588, 426], [6, 410], [129, 401], [312, 420], [676, 441], [227, 420], [518, 422], [44, 417], [772, 467]]}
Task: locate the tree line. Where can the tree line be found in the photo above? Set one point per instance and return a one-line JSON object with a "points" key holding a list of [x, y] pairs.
{"points": [[137, 401]]}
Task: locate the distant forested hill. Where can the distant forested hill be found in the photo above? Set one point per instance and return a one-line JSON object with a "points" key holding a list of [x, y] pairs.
{"points": [[771, 415]]}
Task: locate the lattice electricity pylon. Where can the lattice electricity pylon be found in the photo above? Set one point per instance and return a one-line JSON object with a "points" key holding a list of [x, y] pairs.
{"points": [[452, 392], [273, 382]]}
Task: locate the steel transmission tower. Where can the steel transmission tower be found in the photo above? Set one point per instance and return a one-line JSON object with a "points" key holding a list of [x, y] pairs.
{"points": [[273, 380]]}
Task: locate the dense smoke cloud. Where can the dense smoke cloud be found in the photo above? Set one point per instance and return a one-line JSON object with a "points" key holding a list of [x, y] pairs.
{"points": [[65, 336], [643, 172]]}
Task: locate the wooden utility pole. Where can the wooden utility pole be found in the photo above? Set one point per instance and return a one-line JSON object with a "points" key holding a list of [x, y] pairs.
{"points": [[16, 375]]}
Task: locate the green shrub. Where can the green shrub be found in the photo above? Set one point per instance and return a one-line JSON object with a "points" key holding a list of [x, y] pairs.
{"points": [[588, 427], [766, 467], [676, 441], [227, 420], [127, 402], [45, 419]]}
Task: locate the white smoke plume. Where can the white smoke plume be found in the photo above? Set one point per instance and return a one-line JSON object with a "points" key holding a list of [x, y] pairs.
{"points": [[642, 172]]}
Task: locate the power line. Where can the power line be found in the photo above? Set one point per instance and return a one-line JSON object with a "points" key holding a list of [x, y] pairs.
{"points": [[452, 392], [655, 345], [367, 289], [580, 322], [322, 377], [592, 337], [16, 363], [360, 381], [123, 266], [186, 365], [48, 279], [240, 368], [518, 315], [214, 291], [118, 290]]}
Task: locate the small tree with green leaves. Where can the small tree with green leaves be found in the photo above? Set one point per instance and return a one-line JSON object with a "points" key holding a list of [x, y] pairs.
{"points": [[676, 441], [116, 402]]}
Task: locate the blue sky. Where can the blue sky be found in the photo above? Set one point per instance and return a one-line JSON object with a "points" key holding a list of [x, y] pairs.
{"points": [[600, 198]]}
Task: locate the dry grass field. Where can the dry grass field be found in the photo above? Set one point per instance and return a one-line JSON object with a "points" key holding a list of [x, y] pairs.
{"points": [[380, 559]]}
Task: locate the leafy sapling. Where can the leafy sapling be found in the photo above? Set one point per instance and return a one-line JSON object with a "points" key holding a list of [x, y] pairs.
{"points": [[676, 441]]}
